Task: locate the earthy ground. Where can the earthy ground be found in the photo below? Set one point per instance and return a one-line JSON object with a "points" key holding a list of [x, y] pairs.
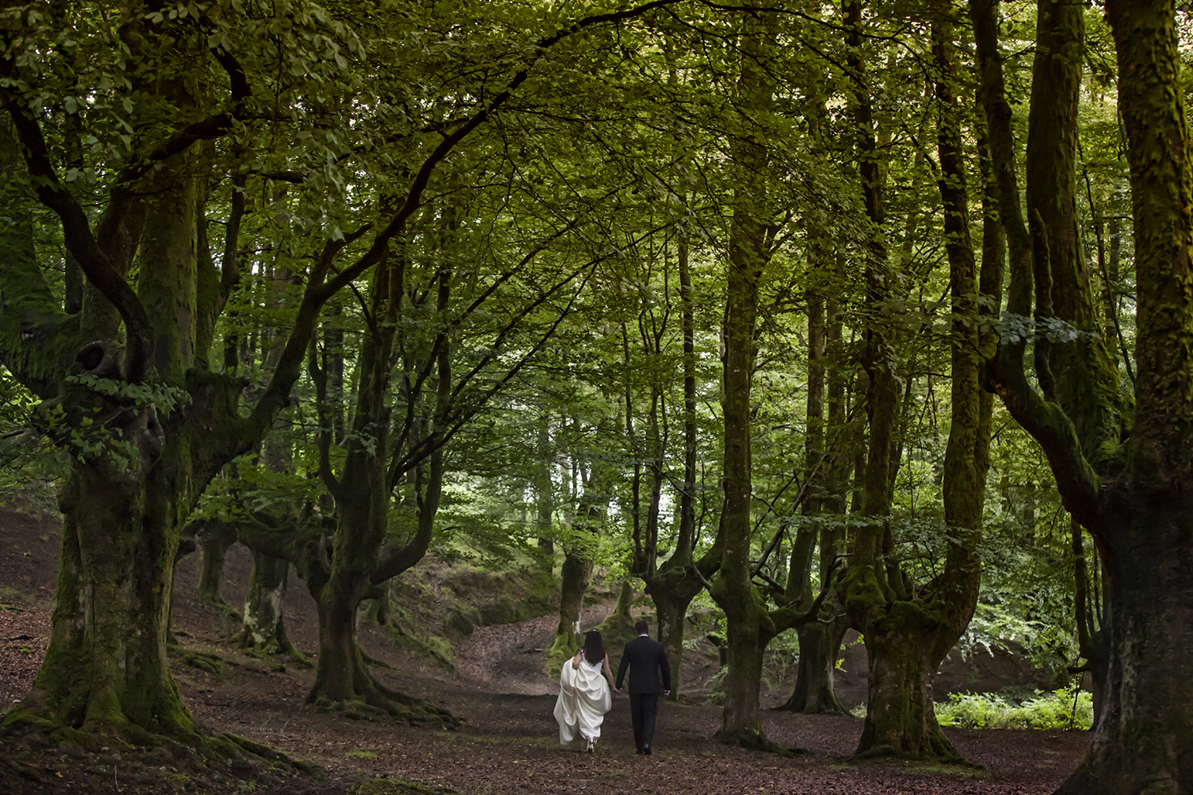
{"points": [[508, 742]]}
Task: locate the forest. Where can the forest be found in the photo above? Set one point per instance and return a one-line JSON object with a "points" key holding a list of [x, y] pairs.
{"points": [[773, 320]]}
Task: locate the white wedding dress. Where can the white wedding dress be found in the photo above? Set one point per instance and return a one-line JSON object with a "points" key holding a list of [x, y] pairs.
{"points": [[583, 701]]}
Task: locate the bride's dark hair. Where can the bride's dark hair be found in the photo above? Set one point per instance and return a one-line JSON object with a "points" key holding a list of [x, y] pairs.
{"points": [[594, 647]]}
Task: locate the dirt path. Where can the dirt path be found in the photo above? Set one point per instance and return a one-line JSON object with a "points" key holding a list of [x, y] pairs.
{"points": [[508, 743]]}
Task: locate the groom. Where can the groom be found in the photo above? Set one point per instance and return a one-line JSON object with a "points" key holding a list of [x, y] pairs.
{"points": [[645, 659]]}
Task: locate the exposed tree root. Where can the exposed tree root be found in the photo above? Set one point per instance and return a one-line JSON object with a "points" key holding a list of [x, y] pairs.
{"points": [[940, 757], [211, 663], [39, 755], [217, 603], [373, 662], [755, 740], [377, 702]]}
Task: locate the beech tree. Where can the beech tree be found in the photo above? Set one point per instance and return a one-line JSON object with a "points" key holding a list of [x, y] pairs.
{"points": [[1128, 491], [909, 627]]}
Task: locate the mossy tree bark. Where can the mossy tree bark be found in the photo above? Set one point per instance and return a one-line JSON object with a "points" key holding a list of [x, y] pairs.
{"points": [[1092, 619], [1078, 374], [749, 252], [819, 649], [358, 561], [909, 630], [215, 538], [138, 465], [574, 577], [868, 589], [576, 573], [263, 624], [264, 628], [1136, 507]]}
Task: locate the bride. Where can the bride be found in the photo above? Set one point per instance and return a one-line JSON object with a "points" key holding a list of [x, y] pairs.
{"points": [[583, 693]]}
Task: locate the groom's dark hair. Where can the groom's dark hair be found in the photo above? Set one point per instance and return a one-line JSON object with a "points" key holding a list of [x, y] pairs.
{"points": [[642, 627]]}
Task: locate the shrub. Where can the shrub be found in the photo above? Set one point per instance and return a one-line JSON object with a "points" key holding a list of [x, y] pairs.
{"points": [[1043, 710]]}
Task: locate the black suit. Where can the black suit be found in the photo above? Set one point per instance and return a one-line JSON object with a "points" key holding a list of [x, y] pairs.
{"points": [[645, 658]]}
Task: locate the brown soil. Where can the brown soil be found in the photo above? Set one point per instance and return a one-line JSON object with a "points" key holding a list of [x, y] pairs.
{"points": [[508, 742]]}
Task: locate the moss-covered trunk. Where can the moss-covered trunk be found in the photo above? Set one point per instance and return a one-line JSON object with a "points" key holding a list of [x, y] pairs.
{"points": [[574, 577], [819, 648], [1144, 740], [1144, 526], [106, 666], [670, 609], [740, 718], [819, 643], [132, 482], [340, 673], [362, 500], [900, 720], [672, 591], [215, 538], [673, 585], [1137, 507], [733, 587], [908, 627], [263, 626]]}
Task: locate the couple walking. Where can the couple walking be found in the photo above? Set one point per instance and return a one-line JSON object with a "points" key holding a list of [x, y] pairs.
{"points": [[584, 696]]}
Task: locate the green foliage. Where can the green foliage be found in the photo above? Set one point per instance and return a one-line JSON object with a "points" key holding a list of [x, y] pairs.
{"points": [[163, 398], [30, 467], [255, 489], [1027, 568], [1067, 708]]}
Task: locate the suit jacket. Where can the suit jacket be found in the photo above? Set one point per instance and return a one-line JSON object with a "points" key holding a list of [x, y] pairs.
{"points": [[645, 659]]}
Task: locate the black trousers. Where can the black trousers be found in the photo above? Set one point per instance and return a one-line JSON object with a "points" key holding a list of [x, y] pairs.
{"points": [[644, 709]]}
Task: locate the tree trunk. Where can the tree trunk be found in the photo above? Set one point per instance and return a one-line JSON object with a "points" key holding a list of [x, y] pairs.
{"points": [[544, 492], [576, 572], [740, 720], [908, 632], [573, 584], [1093, 632], [732, 588], [900, 719], [672, 591], [819, 643], [340, 675], [133, 480], [1080, 375], [819, 648], [362, 502], [263, 627], [674, 584], [1144, 739], [215, 538], [670, 611], [106, 663]]}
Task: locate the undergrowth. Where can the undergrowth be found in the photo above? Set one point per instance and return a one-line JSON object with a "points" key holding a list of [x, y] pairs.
{"points": [[1057, 710]]}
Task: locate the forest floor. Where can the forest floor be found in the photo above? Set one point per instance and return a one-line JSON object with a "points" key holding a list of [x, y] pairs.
{"points": [[508, 742]]}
